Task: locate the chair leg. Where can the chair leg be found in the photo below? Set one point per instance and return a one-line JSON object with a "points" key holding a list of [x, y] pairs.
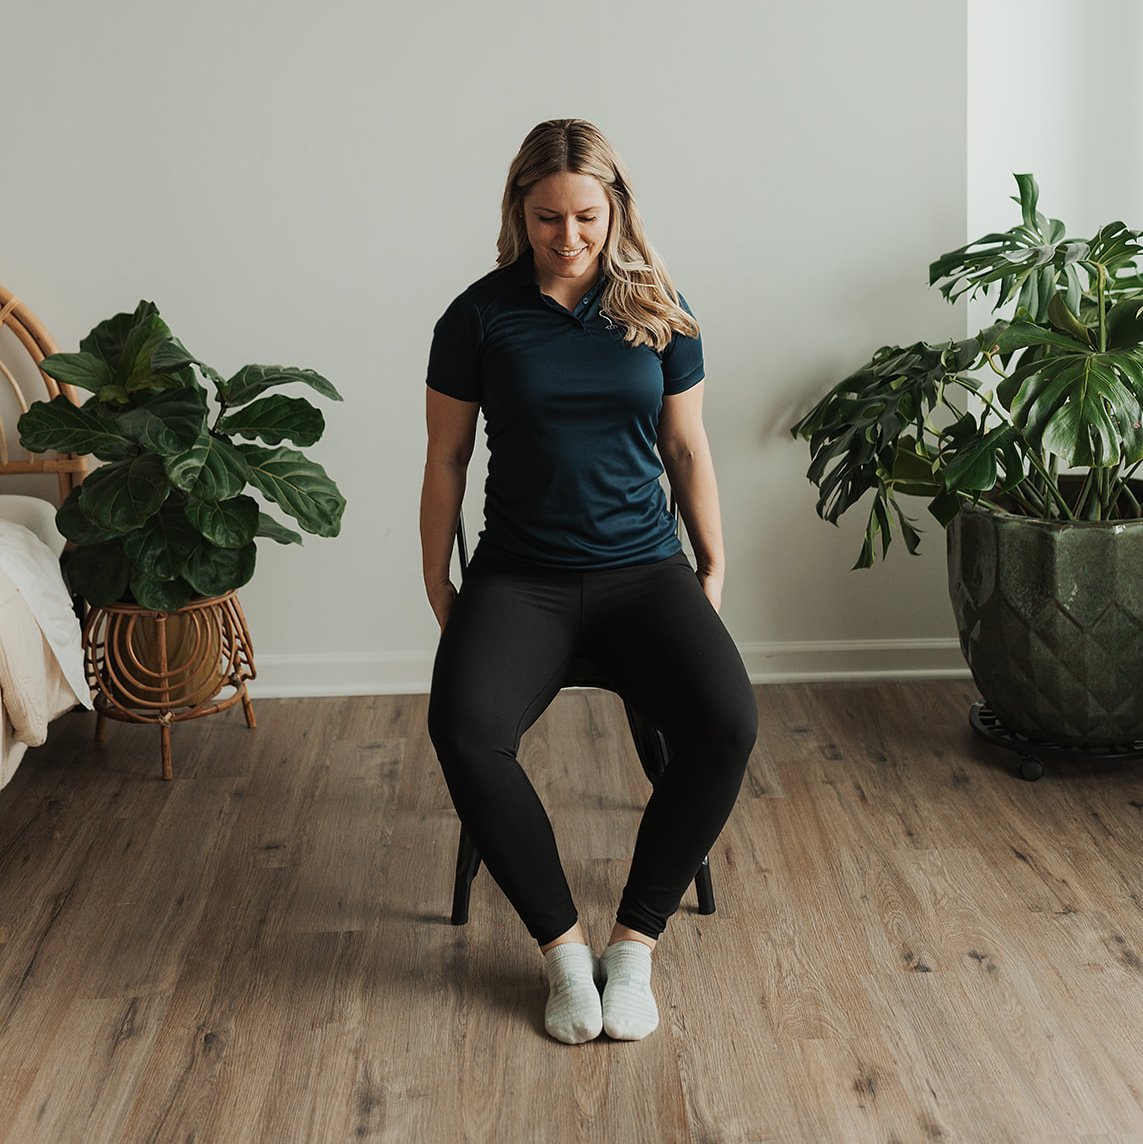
{"points": [[467, 864], [704, 888], [650, 745]]}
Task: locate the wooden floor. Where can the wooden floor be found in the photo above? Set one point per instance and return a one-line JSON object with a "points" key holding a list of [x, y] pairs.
{"points": [[911, 943]]}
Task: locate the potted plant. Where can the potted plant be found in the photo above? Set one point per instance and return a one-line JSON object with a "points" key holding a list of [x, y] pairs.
{"points": [[163, 533], [1025, 439]]}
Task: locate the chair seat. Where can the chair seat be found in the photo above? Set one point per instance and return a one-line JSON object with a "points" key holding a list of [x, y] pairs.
{"points": [[584, 672]]}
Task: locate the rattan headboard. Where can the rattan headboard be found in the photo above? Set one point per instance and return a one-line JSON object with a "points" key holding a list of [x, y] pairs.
{"points": [[20, 384]]}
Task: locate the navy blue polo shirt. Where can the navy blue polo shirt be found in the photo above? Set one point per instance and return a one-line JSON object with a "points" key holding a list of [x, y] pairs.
{"points": [[571, 412]]}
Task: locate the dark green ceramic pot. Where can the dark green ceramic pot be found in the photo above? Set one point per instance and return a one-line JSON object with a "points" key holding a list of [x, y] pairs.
{"points": [[1050, 617]]}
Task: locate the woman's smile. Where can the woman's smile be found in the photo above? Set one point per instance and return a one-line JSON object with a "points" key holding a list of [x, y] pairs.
{"points": [[567, 216]]}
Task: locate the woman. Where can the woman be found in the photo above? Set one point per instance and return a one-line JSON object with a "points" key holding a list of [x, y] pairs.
{"points": [[585, 360]]}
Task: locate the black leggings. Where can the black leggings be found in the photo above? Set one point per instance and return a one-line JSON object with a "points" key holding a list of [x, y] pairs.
{"points": [[504, 655]]}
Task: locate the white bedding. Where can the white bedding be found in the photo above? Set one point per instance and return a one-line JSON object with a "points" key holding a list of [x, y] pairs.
{"points": [[41, 659]]}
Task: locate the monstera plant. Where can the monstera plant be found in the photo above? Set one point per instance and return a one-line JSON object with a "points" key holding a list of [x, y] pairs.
{"points": [[169, 516], [1007, 417], [1026, 440]]}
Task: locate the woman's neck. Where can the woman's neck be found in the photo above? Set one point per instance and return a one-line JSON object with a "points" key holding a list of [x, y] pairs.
{"points": [[569, 291]]}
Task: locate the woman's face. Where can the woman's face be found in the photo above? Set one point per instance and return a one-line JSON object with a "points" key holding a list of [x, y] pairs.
{"points": [[566, 217]]}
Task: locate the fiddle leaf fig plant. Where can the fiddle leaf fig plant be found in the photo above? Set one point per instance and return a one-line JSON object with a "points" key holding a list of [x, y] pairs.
{"points": [[168, 516], [999, 418]]}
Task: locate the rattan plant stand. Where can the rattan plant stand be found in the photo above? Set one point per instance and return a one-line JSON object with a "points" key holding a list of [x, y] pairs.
{"points": [[141, 670]]}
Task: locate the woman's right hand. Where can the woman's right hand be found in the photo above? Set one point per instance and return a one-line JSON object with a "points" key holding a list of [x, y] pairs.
{"points": [[441, 599]]}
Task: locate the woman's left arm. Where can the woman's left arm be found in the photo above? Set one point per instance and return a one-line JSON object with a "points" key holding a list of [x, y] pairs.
{"points": [[685, 452]]}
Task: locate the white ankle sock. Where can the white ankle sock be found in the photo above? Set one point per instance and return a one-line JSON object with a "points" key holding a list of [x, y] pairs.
{"points": [[573, 1014], [629, 1009]]}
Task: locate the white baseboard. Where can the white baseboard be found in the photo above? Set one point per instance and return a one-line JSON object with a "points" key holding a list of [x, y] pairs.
{"points": [[827, 661], [351, 673], [293, 676]]}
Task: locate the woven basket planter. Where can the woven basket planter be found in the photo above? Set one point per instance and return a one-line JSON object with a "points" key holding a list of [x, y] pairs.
{"points": [[166, 667]]}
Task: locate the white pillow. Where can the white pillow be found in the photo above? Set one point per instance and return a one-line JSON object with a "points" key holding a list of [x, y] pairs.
{"points": [[35, 514]]}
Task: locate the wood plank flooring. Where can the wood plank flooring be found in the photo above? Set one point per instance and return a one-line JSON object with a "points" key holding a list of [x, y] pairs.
{"points": [[911, 943]]}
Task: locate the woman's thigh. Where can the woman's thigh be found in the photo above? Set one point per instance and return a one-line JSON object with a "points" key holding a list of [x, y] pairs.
{"points": [[655, 632], [503, 654]]}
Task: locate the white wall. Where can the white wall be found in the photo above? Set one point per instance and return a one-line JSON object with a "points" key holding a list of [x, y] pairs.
{"points": [[311, 184], [1078, 134]]}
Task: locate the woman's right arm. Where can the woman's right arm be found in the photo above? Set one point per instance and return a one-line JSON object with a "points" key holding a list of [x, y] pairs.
{"points": [[452, 432]]}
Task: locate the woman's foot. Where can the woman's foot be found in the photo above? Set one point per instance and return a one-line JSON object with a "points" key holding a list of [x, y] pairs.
{"points": [[574, 1013], [629, 1009]]}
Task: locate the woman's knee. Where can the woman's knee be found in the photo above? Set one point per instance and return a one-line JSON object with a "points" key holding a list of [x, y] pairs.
{"points": [[742, 731], [735, 733], [725, 731], [461, 729]]}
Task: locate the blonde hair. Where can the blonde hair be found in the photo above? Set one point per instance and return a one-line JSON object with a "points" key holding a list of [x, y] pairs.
{"points": [[639, 294]]}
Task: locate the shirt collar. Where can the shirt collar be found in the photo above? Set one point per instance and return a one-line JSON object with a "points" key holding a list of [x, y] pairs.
{"points": [[526, 269]]}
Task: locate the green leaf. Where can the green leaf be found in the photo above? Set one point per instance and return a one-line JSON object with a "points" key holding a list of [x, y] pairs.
{"points": [[1009, 387], [212, 571], [67, 428], [1082, 433], [1032, 261], [973, 466], [126, 344], [912, 472], [227, 524], [299, 486], [135, 370], [253, 380], [944, 507], [856, 431], [1074, 291], [1125, 323], [909, 534], [276, 419], [1115, 248], [160, 595], [122, 496], [173, 357], [1029, 196], [1079, 409], [1061, 316], [85, 371], [1128, 363], [160, 549], [169, 422], [76, 527], [211, 470], [878, 525], [100, 573], [108, 340], [1020, 335], [272, 530]]}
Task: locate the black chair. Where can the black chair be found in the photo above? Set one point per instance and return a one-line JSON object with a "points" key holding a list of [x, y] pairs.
{"points": [[650, 745]]}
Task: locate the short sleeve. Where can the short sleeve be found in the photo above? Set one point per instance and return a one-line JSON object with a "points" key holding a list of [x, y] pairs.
{"points": [[682, 360], [454, 357]]}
